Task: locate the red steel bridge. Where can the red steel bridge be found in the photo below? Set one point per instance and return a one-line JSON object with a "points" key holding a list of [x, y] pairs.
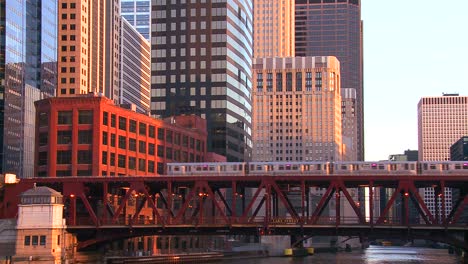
{"points": [[101, 209]]}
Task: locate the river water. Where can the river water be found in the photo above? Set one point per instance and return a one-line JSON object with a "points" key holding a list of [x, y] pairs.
{"points": [[372, 255]]}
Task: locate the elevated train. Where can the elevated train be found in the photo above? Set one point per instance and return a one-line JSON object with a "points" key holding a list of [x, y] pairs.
{"points": [[318, 168]]}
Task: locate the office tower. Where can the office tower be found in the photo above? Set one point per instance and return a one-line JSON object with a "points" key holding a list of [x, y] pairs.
{"points": [[201, 64], [442, 120], [297, 109], [273, 28], [459, 150], [349, 119], [138, 14], [88, 48], [88, 135], [334, 28], [134, 68], [28, 72]]}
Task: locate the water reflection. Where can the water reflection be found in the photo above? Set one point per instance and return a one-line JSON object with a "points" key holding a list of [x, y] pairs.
{"points": [[373, 255]]}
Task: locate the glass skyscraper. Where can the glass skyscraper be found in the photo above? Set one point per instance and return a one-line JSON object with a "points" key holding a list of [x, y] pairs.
{"points": [[201, 58], [138, 14], [28, 72]]}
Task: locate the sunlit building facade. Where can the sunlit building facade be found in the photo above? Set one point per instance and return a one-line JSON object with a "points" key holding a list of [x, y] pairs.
{"points": [[201, 58], [134, 68], [297, 109], [274, 28], [335, 28], [89, 48], [28, 72]]}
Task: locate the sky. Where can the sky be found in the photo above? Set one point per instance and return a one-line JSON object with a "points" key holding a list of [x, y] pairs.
{"points": [[412, 49]]}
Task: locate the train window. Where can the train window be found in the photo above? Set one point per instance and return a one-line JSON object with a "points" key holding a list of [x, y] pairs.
{"points": [[343, 167], [432, 166], [444, 166], [212, 168], [457, 166], [465, 166], [412, 166], [281, 167], [406, 166], [319, 166], [176, 168], [425, 167], [240, 167], [381, 167]]}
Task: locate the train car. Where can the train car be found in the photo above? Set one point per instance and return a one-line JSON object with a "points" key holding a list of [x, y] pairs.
{"points": [[288, 168], [375, 168], [442, 167], [206, 169]]}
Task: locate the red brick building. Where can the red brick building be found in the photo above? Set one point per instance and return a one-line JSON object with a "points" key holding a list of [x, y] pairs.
{"points": [[89, 135]]}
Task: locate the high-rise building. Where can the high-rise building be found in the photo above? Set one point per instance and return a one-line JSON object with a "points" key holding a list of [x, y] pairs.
{"points": [[459, 150], [442, 120], [138, 14], [297, 109], [88, 48], [334, 28], [134, 68], [273, 28], [349, 121], [201, 57], [28, 72]]}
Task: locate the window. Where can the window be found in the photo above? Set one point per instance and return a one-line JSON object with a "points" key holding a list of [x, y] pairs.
{"points": [[63, 173], [43, 139], [43, 120], [184, 141], [85, 117], [122, 160], [169, 153], [42, 240], [113, 137], [64, 137], [160, 168], [122, 142], [85, 137], [131, 163], [169, 136], [132, 126], [122, 123], [151, 147], [27, 240], [142, 146], [113, 120], [35, 240], [112, 159], [132, 144], [43, 158], [64, 157], [150, 166], [298, 81], [104, 137], [161, 133], [85, 156], [142, 129], [141, 164], [279, 82], [104, 157], [105, 118], [65, 117], [160, 151], [151, 131]]}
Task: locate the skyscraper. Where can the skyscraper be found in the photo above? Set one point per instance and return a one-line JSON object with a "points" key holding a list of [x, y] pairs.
{"points": [[297, 109], [442, 120], [138, 14], [88, 48], [334, 28], [274, 28], [201, 64], [134, 68], [28, 72]]}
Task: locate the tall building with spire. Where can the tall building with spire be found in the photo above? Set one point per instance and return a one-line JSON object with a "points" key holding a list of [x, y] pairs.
{"points": [[201, 58], [28, 67], [334, 28]]}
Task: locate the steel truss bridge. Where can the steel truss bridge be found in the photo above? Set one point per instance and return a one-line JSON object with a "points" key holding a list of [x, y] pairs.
{"points": [[103, 209]]}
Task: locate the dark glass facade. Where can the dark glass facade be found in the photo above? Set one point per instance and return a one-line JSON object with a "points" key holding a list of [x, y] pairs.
{"points": [[201, 64], [459, 150], [334, 28], [28, 48]]}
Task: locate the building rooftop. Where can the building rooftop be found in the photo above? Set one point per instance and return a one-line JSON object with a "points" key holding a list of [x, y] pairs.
{"points": [[41, 191]]}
